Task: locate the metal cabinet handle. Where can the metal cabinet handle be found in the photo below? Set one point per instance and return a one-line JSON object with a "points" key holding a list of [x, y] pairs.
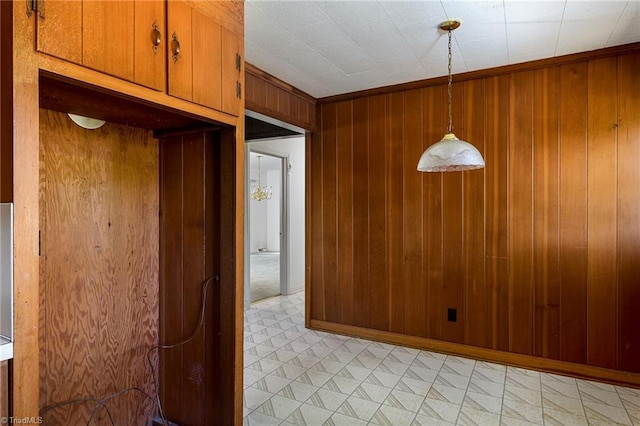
{"points": [[175, 47], [238, 62], [156, 37]]}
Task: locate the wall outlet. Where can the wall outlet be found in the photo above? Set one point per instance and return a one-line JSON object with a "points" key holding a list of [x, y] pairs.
{"points": [[452, 314]]}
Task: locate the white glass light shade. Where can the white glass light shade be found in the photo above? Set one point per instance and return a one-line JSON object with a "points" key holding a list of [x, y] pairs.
{"points": [[450, 155], [86, 122]]}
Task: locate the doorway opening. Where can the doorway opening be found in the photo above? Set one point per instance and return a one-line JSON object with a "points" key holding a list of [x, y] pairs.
{"points": [[266, 220], [274, 226]]}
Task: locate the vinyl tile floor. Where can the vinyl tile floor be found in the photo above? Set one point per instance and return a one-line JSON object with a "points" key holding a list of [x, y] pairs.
{"points": [[297, 376]]}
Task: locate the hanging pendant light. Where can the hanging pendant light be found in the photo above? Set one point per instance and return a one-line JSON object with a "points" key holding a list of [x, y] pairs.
{"points": [[450, 154]]}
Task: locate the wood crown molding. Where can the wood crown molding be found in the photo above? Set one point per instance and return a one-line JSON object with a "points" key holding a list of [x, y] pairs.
{"points": [[489, 72], [263, 75]]}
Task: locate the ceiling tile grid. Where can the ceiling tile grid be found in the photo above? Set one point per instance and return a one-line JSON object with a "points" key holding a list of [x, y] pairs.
{"points": [[330, 47]]}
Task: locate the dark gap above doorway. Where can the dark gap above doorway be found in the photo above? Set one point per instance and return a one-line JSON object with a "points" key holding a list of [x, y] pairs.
{"points": [[258, 129]]}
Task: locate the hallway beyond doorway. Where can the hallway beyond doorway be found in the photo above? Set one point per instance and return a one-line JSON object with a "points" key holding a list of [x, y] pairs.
{"points": [[265, 275]]}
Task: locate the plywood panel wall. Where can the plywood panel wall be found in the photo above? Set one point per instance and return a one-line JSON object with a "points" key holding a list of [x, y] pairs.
{"points": [[99, 269], [537, 252]]}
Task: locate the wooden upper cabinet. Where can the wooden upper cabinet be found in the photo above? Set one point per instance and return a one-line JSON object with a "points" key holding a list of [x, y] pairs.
{"points": [[193, 49], [205, 57], [122, 38], [232, 53]]}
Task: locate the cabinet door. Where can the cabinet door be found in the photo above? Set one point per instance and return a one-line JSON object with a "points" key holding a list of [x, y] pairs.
{"points": [[194, 72], [107, 37], [59, 32], [232, 71], [207, 60], [150, 40], [114, 37], [179, 46]]}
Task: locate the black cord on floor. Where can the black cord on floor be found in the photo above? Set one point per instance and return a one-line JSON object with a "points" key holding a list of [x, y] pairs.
{"points": [[102, 403], [192, 336]]}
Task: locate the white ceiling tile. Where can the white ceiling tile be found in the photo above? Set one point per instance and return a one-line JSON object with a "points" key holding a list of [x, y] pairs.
{"points": [[353, 13], [534, 11], [626, 31], [578, 36], [373, 33], [483, 12], [420, 38], [293, 14], [581, 10], [337, 46], [343, 51], [397, 65], [528, 57], [354, 66], [526, 39], [322, 33], [483, 62], [413, 74], [402, 13]]}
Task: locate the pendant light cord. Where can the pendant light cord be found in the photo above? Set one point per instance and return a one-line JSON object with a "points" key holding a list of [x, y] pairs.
{"points": [[450, 126]]}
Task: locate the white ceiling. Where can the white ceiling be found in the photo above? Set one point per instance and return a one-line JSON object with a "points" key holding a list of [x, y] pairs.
{"points": [[331, 47]]}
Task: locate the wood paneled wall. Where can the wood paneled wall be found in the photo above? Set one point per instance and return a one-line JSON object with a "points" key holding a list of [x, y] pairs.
{"points": [[272, 97], [98, 269], [197, 243], [538, 252], [6, 150], [6, 103], [189, 257]]}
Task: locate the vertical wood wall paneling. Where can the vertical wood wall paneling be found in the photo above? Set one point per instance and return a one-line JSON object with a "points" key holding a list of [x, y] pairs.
{"points": [[330, 213], [273, 97], [601, 213], [210, 267], [628, 212], [453, 256], [228, 168], [521, 159], [361, 212], [476, 297], [496, 210], [172, 326], [412, 220], [193, 246], [100, 201], [344, 183], [395, 189], [6, 103], [555, 275], [434, 112], [315, 223], [573, 212], [256, 90], [377, 124], [192, 383], [546, 204]]}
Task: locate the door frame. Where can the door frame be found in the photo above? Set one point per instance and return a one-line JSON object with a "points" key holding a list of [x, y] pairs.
{"points": [[284, 219]]}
